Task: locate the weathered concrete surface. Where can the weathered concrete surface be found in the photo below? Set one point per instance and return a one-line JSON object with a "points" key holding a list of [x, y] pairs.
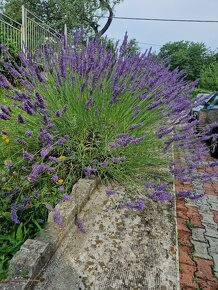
{"points": [[35, 254], [122, 249]]}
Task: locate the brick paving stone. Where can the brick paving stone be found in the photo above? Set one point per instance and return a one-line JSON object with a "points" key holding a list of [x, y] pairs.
{"points": [[181, 225], [198, 235], [211, 192], [186, 276], [215, 214], [203, 213], [196, 221], [207, 285], [184, 256], [181, 210], [188, 287], [208, 186], [201, 250], [185, 238], [181, 214], [204, 270]]}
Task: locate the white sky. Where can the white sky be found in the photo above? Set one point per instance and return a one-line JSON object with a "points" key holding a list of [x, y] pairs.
{"points": [[161, 32]]}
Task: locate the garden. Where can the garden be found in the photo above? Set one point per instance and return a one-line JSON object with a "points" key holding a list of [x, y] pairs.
{"points": [[93, 109]]}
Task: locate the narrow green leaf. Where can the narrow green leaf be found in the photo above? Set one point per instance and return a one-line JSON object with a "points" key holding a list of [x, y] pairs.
{"points": [[19, 233]]}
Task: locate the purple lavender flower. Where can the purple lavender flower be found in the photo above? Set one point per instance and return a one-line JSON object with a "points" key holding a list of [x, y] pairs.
{"points": [[110, 192], [44, 137], [50, 126], [137, 140], [39, 100], [66, 197], [89, 103], [58, 113], [6, 111], [61, 188], [28, 133], [56, 216], [54, 178], [27, 201], [89, 170], [9, 164], [161, 195], [49, 207], [4, 116], [4, 83], [104, 164], [140, 204], [37, 170], [80, 225], [14, 216], [20, 119], [57, 219], [53, 159], [61, 141], [4, 132], [134, 126], [27, 107], [118, 159], [21, 142], [28, 156], [36, 194], [44, 152]]}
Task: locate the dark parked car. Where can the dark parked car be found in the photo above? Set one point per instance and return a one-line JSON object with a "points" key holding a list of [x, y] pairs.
{"points": [[207, 113]]}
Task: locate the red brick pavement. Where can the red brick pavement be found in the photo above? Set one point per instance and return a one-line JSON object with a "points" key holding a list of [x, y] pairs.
{"points": [[195, 273]]}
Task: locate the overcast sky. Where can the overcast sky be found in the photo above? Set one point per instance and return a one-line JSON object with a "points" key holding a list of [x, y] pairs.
{"points": [[161, 32]]}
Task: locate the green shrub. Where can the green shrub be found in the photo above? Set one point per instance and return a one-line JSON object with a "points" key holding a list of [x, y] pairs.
{"points": [[93, 110], [209, 77]]}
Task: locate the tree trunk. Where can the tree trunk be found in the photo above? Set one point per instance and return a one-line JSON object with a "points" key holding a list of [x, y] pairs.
{"points": [[109, 21]]}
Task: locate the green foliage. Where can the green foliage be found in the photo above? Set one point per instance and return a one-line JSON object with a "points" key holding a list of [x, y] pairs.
{"points": [[189, 224], [209, 77], [188, 55], [88, 140], [13, 50], [57, 13], [200, 91]]}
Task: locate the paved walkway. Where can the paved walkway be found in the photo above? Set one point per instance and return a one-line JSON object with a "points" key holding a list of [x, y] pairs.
{"points": [[198, 235]]}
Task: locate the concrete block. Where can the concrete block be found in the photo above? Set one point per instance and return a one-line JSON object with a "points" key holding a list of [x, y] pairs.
{"points": [[213, 245], [198, 235], [211, 231], [201, 250]]}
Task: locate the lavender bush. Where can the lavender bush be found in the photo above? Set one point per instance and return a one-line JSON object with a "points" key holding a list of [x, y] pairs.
{"points": [[90, 110]]}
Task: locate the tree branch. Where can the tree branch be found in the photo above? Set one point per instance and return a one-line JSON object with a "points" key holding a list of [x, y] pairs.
{"points": [[110, 18]]}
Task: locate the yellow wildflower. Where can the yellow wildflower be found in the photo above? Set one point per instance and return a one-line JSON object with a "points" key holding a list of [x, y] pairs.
{"points": [[62, 157], [60, 181], [5, 138]]}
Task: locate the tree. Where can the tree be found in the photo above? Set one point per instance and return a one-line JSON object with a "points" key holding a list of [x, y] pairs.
{"points": [[209, 77], [192, 56], [74, 13]]}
